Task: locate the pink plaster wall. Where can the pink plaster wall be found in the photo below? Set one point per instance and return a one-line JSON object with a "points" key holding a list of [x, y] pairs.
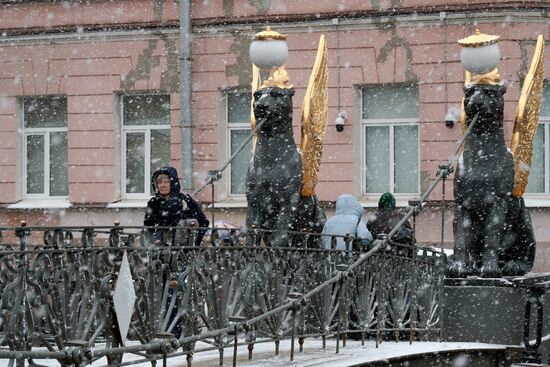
{"points": [[91, 73]]}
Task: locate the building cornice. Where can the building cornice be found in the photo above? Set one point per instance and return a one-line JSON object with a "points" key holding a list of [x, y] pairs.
{"points": [[291, 23], [476, 9]]}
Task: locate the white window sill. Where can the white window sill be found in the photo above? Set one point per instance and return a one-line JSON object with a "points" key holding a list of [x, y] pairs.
{"points": [[41, 204], [537, 202], [129, 203], [530, 202], [229, 203], [142, 203], [400, 202]]}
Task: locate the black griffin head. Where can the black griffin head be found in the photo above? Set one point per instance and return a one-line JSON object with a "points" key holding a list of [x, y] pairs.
{"points": [[274, 106], [488, 101]]}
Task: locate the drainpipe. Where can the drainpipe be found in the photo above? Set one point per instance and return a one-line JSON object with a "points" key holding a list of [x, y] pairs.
{"points": [[185, 95]]}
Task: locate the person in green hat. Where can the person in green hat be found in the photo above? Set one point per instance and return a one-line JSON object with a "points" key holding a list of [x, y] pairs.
{"points": [[386, 218]]}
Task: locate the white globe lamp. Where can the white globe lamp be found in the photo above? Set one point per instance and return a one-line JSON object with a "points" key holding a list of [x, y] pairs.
{"points": [[480, 53], [268, 50]]}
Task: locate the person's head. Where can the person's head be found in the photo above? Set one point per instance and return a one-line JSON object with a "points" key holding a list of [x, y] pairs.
{"points": [[163, 185], [165, 181], [386, 201], [348, 204]]}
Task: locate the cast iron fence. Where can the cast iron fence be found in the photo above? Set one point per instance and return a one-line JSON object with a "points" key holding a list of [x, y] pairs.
{"points": [[59, 286]]}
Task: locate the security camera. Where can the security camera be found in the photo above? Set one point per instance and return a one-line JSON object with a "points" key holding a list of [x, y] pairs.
{"points": [[341, 120], [452, 116]]}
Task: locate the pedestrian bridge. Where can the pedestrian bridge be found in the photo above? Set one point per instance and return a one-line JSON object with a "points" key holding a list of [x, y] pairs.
{"points": [[77, 296]]}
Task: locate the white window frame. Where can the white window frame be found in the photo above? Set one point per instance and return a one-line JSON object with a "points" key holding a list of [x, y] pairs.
{"points": [[230, 127], [145, 129], [390, 123], [545, 122], [542, 198], [45, 132]]}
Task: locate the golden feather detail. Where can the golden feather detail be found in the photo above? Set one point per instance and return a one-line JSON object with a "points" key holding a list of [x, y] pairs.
{"points": [[314, 120], [279, 79], [527, 118]]}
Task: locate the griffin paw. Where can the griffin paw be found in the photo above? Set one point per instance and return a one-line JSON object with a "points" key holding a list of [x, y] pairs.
{"points": [[457, 269], [513, 268], [490, 271]]}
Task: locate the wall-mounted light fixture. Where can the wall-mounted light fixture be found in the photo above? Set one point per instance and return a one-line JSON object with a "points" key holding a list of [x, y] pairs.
{"points": [[341, 120], [452, 117]]}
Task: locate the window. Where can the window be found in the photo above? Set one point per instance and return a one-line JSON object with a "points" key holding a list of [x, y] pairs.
{"points": [[238, 125], [390, 127], [45, 147], [145, 141], [539, 173]]}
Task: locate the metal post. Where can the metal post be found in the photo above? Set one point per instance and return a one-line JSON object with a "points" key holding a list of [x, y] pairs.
{"points": [[443, 172], [185, 95], [236, 339], [213, 176], [293, 332], [443, 213], [21, 341], [531, 353], [212, 207]]}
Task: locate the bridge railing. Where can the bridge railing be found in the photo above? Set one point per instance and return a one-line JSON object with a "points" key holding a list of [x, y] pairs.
{"points": [[60, 292]]}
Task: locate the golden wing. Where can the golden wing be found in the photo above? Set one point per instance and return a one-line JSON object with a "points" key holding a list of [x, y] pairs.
{"points": [[527, 118], [314, 120], [254, 87]]}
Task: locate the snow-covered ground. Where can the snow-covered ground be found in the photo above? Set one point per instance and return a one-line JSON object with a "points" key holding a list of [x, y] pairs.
{"points": [[312, 356]]}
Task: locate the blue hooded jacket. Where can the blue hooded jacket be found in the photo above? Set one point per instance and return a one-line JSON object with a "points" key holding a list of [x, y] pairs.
{"points": [[347, 220], [168, 212]]}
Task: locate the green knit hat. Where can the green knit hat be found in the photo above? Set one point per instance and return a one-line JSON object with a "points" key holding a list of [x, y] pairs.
{"points": [[387, 201]]}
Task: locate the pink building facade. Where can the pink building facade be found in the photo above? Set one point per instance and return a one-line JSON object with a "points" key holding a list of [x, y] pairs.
{"points": [[90, 101]]}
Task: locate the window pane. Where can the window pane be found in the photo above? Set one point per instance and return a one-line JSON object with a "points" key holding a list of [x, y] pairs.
{"points": [[35, 164], [239, 166], [238, 105], [135, 162], [545, 103], [148, 109], [160, 148], [58, 164], [45, 112], [377, 158], [406, 159], [536, 173], [390, 101]]}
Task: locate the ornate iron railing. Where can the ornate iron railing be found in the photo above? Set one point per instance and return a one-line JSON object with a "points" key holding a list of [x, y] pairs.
{"points": [[59, 288]]}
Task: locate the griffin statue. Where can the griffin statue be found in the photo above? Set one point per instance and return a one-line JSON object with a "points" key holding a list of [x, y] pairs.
{"points": [[281, 179], [492, 228]]}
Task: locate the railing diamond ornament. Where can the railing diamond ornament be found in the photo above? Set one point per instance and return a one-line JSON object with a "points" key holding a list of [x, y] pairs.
{"points": [[124, 297]]}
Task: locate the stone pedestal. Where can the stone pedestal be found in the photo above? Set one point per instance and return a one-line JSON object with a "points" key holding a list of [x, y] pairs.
{"points": [[483, 310]]}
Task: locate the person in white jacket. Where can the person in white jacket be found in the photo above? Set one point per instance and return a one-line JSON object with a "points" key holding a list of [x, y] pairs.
{"points": [[347, 219]]}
